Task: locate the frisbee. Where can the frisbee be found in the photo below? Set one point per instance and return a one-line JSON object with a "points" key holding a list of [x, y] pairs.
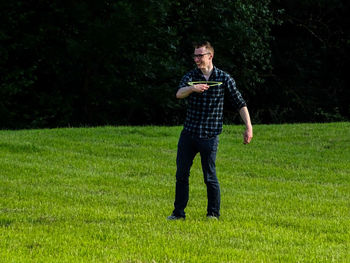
{"points": [[209, 83]]}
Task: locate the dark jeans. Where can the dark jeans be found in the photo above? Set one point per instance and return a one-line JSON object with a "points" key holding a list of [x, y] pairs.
{"points": [[188, 147]]}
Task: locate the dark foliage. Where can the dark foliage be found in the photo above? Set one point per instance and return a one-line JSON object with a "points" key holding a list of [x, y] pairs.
{"points": [[73, 63]]}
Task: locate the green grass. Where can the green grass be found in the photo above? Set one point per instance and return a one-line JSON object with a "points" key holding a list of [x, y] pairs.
{"points": [[103, 195]]}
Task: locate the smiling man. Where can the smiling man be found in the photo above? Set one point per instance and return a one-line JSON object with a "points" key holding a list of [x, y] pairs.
{"points": [[202, 126]]}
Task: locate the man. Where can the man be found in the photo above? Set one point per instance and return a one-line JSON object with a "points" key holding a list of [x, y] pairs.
{"points": [[202, 126]]}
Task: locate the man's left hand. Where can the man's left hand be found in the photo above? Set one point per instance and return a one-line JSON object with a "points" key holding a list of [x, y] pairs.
{"points": [[248, 135]]}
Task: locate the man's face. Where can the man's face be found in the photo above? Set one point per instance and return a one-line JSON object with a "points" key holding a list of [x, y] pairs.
{"points": [[202, 57]]}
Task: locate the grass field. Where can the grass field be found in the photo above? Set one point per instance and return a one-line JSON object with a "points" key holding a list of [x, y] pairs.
{"points": [[103, 195]]}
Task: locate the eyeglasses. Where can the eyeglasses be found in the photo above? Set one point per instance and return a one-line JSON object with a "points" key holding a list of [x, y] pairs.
{"points": [[199, 55]]}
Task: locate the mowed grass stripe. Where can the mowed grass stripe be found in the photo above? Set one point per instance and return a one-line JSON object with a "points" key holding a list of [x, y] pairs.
{"points": [[102, 195]]}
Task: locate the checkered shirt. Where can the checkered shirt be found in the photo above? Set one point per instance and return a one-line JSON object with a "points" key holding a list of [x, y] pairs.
{"points": [[205, 110]]}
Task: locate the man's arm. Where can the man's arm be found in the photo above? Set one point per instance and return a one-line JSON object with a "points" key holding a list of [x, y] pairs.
{"points": [[248, 134], [186, 91]]}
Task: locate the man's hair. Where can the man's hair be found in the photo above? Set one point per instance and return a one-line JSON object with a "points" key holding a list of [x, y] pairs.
{"points": [[205, 44]]}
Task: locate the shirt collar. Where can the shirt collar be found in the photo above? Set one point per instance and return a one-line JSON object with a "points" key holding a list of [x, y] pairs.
{"points": [[213, 73]]}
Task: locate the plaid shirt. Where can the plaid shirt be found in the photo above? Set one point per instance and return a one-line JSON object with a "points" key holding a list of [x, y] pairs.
{"points": [[205, 110]]}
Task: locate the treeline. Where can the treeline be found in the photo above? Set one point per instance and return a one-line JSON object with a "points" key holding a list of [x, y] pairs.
{"points": [[73, 63]]}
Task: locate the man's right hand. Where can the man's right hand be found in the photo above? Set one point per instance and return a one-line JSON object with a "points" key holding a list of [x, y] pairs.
{"points": [[186, 91], [199, 88]]}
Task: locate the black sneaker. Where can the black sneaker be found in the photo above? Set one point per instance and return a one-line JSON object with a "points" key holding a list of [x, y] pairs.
{"points": [[215, 218], [212, 216], [174, 217]]}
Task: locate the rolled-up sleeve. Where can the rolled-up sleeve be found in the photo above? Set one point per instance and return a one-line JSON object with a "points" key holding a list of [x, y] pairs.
{"points": [[184, 81], [234, 94]]}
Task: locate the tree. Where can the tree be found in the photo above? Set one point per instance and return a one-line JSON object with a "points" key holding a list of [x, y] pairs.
{"points": [[119, 62], [310, 59]]}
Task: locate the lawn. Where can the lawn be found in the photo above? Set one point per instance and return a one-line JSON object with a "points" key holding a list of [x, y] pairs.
{"points": [[103, 194]]}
